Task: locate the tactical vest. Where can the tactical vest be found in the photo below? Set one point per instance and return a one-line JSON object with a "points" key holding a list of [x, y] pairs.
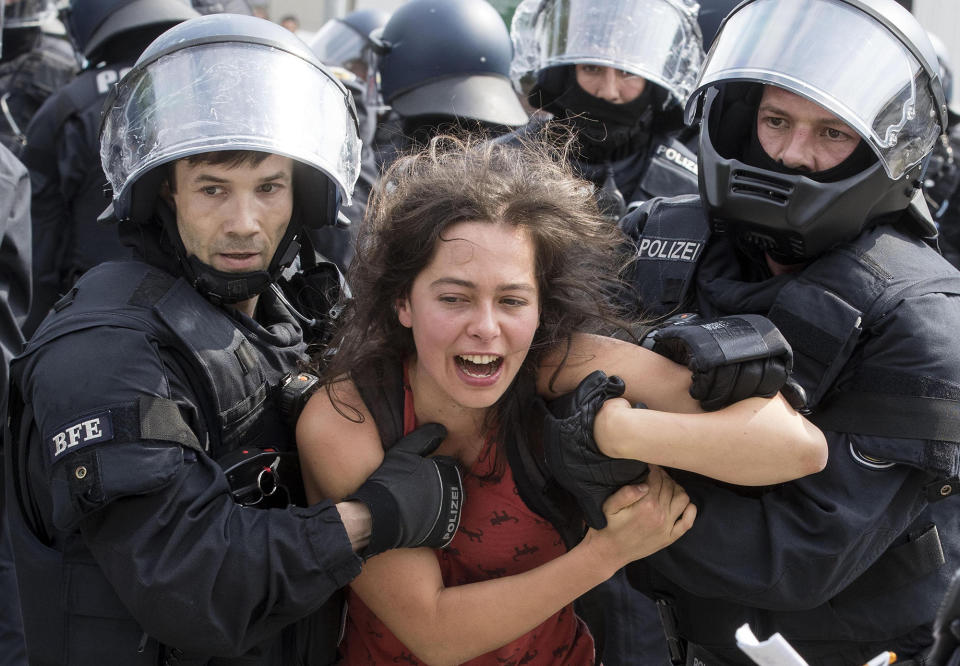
{"points": [[234, 376], [824, 313]]}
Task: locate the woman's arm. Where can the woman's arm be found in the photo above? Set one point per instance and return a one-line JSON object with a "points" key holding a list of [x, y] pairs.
{"points": [[758, 441], [451, 625], [650, 378]]}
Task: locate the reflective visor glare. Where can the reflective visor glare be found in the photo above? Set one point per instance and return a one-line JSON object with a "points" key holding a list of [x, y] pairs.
{"points": [[656, 39], [229, 96], [839, 58]]}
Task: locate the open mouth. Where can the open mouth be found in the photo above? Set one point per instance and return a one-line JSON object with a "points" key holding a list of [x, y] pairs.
{"points": [[479, 365]]}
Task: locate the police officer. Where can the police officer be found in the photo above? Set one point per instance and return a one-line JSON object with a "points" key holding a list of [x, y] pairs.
{"points": [[15, 287], [155, 402], [616, 73], [444, 65], [345, 46], [345, 42], [63, 147], [810, 212], [941, 183], [34, 64]]}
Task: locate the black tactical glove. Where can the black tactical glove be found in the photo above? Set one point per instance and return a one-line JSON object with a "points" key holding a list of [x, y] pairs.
{"points": [[731, 358], [414, 500], [946, 628], [572, 454]]}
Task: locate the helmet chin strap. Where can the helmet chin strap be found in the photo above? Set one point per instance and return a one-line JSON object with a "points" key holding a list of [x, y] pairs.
{"points": [[221, 287]]}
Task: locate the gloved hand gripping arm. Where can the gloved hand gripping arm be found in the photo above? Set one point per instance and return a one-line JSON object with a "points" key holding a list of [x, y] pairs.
{"points": [[572, 454], [731, 358], [414, 500]]}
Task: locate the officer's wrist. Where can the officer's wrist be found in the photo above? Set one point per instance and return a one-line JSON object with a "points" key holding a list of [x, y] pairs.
{"points": [[358, 523]]}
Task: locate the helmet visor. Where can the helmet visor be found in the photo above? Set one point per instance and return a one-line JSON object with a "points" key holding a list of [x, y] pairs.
{"points": [[656, 39], [839, 58], [229, 96], [336, 43]]}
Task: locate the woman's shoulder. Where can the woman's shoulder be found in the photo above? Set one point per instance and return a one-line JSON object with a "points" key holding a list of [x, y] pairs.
{"points": [[338, 439]]}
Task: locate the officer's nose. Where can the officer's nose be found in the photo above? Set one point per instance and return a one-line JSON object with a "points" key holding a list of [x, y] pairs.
{"points": [[483, 323], [243, 217], [799, 151], [608, 85]]}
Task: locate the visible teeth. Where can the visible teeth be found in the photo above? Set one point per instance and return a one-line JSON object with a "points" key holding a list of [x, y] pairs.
{"points": [[479, 359]]}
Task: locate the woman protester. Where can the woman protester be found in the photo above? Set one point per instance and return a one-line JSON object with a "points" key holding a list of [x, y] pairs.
{"points": [[481, 275]]}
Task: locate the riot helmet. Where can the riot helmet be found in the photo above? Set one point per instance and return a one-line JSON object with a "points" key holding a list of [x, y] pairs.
{"points": [[223, 7], [227, 82], [448, 58], [93, 23], [658, 40], [869, 64], [946, 74], [28, 13], [345, 42], [711, 15]]}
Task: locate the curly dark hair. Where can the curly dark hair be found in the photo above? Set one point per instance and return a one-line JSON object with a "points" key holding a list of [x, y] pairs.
{"points": [[527, 184]]}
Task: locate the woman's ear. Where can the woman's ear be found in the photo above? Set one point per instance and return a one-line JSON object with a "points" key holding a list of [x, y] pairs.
{"points": [[403, 312]]}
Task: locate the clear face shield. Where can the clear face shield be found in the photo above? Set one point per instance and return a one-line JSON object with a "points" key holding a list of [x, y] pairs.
{"points": [[339, 45], [858, 70], [228, 96], [656, 39], [28, 13]]}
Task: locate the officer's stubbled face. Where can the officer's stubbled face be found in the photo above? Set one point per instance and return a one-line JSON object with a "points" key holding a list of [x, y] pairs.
{"points": [[233, 216], [802, 134], [613, 85]]}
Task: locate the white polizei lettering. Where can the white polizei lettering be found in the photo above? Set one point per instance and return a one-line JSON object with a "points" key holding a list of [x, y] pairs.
{"points": [[678, 158], [670, 250], [59, 443], [455, 511], [92, 429]]}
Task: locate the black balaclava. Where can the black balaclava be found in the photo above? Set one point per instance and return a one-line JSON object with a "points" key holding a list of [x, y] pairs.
{"points": [[607, 131]]}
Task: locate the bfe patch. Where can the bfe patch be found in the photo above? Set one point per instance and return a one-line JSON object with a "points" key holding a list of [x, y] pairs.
{"points": [[73, 436]]}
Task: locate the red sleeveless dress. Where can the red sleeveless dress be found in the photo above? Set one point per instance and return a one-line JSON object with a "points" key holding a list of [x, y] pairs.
{"points": [[498, 536]]}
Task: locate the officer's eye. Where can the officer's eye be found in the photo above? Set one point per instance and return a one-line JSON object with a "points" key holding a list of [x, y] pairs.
{"points": [[211, 190], [836, 135], [269, 188]]}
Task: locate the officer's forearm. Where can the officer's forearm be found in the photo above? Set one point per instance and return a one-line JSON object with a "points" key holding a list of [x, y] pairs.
{"points": [[358, 523]]}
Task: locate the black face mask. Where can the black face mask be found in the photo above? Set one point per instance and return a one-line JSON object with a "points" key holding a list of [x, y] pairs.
{"points": [[861, 158], [606, 130]]}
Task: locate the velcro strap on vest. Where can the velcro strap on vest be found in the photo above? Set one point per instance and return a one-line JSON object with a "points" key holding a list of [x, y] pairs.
{"points": [[886, 415], [161, 419]]}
